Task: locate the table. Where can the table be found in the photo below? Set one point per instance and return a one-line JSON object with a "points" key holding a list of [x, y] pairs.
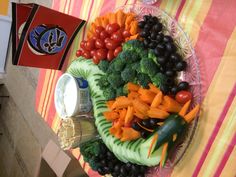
{"points": [[211, 26]]}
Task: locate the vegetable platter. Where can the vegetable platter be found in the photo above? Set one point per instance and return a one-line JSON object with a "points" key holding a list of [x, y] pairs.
{"points": [[145, 88]]}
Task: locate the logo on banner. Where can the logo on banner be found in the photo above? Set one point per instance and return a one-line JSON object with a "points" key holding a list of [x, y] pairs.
{"points": [[47, 40]]}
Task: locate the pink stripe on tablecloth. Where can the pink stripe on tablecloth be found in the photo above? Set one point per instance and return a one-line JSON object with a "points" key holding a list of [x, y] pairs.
{"points": [[214, 34], [76, 8], [106, 8], [90, 9], [225, 157], [179, 9], [215, 131], [56, 5]]}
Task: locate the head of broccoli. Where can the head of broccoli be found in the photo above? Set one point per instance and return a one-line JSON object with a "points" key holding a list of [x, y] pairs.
{"points": [[103, 65], [109, 93], [132, 45], [159, 80], [120, 92], [148, 66], [152, 56], [136, 66], [143, 80], [119, 63], [115, 79], [103, 82], [128, 74]]}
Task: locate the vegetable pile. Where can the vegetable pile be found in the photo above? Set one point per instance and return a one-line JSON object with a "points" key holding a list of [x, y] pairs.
{"points": [[107, 34], [101, 159], [147, 107]]}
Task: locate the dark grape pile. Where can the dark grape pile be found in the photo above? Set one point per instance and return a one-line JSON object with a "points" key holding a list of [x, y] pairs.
{"points": [[165, 50], [109, 164]]}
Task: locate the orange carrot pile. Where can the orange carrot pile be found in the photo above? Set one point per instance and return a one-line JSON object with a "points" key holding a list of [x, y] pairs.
{"points": [[125, 20], [140, 103]]}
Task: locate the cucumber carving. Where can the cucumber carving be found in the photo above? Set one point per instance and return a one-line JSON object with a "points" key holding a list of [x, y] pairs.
{"points": [[136, 151]]}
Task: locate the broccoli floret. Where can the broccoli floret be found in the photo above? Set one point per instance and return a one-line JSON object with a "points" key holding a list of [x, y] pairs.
{"points": [[90, 150], [115, 79], [143, 80], [128, 74], [103, 82], [159, 80], [119, 92], [132, 45], [136, 67], [109, 93], [152, 56], [103, 65], [148, 66], [119, 63]]}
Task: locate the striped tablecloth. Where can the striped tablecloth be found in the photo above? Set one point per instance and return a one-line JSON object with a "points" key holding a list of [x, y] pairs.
{"points": [[211, 26]]}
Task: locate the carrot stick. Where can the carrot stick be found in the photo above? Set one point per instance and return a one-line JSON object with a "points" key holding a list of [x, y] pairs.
{"points": [[110, 103], [139, 115], [192, 114], [132, 87], [154, 139], [163, 154], [145, 128], [129, 115], [132, 95], [157, 113], [153, 88], [157, 100], [171, 104], [120, 18], [110, 115], [184, 109]]}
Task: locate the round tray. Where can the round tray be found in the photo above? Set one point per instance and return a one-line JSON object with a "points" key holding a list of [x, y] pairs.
{"points": [[191, 75]]}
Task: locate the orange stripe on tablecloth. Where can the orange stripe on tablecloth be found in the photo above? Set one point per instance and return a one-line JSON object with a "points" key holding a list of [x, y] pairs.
{"points": [[39, 89], [213, 36], [50, 107], [46, 98], [56, 122], [44, 90]]}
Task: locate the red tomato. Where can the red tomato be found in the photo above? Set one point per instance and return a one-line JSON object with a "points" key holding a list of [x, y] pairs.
{"points": [[86, 54], [99, 44], [183, 96], [95, 37], [99, 29], [92, 52], [111, 28], [117, 51], [126, 33], [111, 45], [101, 54], [103, 35], [82, 44], [110, 55], [107, 40], [79, 53], [95, 59], [117, 36], [90, 44]]}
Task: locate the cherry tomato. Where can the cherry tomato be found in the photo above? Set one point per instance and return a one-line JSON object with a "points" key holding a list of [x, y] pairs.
{"points": [[126, 33], [95, 37], [99, 44], [110, 55], [101, 54], [92, 52], [111, 45], [183, 96], [82, 44], [103, 35], [99, 29], [117, 51], [86, 54], [111, 28], [79, 53], [90, 44], [95, 59], [117, 36], [107, 40]]}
